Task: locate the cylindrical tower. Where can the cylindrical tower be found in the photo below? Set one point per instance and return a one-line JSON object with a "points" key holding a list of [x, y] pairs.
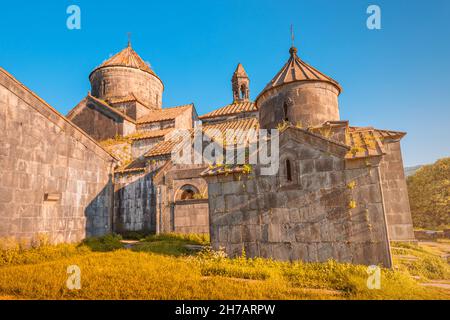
{"points": [[126, 74], [299, 94]]}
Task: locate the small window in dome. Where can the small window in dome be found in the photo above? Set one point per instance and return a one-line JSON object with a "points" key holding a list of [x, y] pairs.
{"points": [[285, 110]]}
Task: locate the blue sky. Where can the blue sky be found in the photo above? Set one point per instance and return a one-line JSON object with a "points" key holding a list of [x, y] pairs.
{"points": [[394, 78]]}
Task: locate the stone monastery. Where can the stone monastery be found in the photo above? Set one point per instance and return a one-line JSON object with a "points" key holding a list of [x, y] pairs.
{"points": [[339, 193]]}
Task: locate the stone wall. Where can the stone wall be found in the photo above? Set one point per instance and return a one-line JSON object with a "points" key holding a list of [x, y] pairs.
{"points": [[134, 202], [174, 214], [141, 146], [99, 123], [156, 125], [133, 109], [55, 180], [185, 120], [191, 216], [307, 103], [395, 192], [330, 210]]}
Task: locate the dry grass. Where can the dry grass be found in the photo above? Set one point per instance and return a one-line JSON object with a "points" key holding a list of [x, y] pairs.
{"points": [[421, 261], [160, 268]]}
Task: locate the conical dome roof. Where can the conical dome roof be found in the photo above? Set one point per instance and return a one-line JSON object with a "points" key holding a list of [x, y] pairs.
{"points": [[240, 71], [295, 70], [126, 58]]}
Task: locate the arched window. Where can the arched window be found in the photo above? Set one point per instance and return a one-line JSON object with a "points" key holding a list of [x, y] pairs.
{"points": [[243, 92], [187, 195], [288, 170], [187, 192]]}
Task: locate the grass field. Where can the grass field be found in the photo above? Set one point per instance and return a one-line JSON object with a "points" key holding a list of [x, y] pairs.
{"points": [[162, 267]]}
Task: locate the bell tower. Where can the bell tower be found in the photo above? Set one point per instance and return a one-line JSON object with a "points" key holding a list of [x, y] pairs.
{"points": [[240, 84]]}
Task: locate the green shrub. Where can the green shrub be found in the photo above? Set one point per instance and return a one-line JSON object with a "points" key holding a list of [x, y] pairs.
{"points": [[191, 238], [109, 242], [134, 235], [172, 248]]}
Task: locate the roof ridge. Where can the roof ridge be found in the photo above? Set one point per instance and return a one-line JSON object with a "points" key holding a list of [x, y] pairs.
{"points": [[316, 135], [179, 106], [239, 107], [105, 104]]}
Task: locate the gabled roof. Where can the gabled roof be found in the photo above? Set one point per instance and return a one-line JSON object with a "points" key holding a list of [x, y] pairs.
{"points": [[230, 109], [152, 134], [129, 98], [163, 148], [296, 69], [126, 58], [382, 134], [240, 124], [164, 114], [108, 107], [368, 141], [137, 165], [363, 144]]}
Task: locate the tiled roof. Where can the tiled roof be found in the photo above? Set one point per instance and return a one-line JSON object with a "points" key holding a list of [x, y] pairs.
{"points": [[135, 166], [380, 133], [368, 141], [164, 114], [234, 108], [363, 144], [165, 147], [241, 124], [126, 58], [129, 98], [297, 70], [151, 134], [224, 170]]}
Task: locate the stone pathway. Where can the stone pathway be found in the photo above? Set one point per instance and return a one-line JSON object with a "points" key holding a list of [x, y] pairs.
{"points": [[195, 247], [129, 243], [443, 284]]}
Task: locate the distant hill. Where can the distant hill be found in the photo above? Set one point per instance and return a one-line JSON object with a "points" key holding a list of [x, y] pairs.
{"points": [[411, 170], [429, 195]]}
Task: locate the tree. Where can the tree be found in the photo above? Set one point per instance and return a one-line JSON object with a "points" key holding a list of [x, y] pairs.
{"points": [[429, 195]]}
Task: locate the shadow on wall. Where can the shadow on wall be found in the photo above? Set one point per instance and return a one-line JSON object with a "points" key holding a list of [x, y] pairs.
{"points": [[99, 211], [134, 205]]}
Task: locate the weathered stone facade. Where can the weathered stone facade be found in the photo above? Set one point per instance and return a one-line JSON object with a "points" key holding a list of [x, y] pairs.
{"points": [[99, 122], [134, 203], [179, 213], [55, 180], [309, 217], [306, 104], [395, 193], [339, 193]]}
